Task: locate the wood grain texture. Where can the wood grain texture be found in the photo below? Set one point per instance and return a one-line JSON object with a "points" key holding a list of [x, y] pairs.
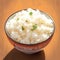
{"points": [[51, 51]]}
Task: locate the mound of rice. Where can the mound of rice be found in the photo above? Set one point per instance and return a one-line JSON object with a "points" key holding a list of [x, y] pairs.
{"points": [[29, 26]]}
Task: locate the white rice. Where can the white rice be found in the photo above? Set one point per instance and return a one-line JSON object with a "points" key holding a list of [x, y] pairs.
{"points": [[29, 26]]}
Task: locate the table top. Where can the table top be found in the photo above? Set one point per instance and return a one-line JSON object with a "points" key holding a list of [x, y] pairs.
{"points": [[51, 51]]}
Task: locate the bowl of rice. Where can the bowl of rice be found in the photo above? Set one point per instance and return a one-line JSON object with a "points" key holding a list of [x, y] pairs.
{"points": [[29, 30]]}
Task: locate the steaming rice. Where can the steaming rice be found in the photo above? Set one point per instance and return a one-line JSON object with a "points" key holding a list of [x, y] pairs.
{"points": [[29, 26]]}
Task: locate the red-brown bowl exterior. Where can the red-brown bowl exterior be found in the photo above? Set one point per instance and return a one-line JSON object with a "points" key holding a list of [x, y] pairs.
{"points": [[29, 48]]}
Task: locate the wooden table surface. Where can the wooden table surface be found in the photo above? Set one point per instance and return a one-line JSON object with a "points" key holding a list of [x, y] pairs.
{"points": [[51, 51]]}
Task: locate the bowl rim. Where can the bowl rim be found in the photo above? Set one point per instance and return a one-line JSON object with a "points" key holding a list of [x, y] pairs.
{"points": [[24, 43]]}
